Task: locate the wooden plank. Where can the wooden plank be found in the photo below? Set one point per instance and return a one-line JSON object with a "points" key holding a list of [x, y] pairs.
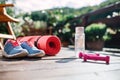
{"points": [[6, 5], [6, 36], [1, 46], [10, 30]]}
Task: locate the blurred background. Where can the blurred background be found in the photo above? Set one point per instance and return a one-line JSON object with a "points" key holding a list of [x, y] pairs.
{"points": [[100, 18]]}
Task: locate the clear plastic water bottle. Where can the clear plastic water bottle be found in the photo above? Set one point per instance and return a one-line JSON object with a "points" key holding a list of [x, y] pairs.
{"points": [[79, 41]]}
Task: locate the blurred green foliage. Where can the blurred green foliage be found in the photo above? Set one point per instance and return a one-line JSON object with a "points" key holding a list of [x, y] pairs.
{"points": [[57, 18], [95, 31]]}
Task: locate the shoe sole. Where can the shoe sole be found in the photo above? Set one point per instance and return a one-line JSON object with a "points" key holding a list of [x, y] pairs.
{"points": [[41, 54], [21, 54]]}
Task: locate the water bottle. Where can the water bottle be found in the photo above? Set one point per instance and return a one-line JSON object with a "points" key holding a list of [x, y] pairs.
{"points": [[79, 41]]}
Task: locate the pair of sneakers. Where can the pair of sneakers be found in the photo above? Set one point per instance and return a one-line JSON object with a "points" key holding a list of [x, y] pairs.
{"points": [[14, 49]]}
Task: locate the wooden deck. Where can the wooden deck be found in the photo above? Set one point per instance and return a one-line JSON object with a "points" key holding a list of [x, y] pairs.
{"points": [[63, 66]]}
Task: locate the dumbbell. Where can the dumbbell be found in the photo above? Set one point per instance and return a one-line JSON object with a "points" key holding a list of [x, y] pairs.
{"points": [[92, 57], [81, 55]]}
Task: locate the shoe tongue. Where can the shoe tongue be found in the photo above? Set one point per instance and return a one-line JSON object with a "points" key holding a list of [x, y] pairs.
{"points": [[30, 44]]}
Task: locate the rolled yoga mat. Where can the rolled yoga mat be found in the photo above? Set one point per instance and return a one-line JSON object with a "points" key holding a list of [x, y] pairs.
{"points": [[49, 43]]}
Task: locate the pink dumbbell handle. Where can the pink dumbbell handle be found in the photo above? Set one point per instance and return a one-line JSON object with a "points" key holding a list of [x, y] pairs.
{"points": [[82, 54], [101, 58]]}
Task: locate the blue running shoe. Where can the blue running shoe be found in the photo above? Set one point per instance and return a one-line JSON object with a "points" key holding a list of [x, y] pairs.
{"points": [[33, 51], [12, 49]]}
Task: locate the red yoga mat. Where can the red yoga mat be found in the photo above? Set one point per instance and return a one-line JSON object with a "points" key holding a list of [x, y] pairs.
{"points": [[49, 43]]}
